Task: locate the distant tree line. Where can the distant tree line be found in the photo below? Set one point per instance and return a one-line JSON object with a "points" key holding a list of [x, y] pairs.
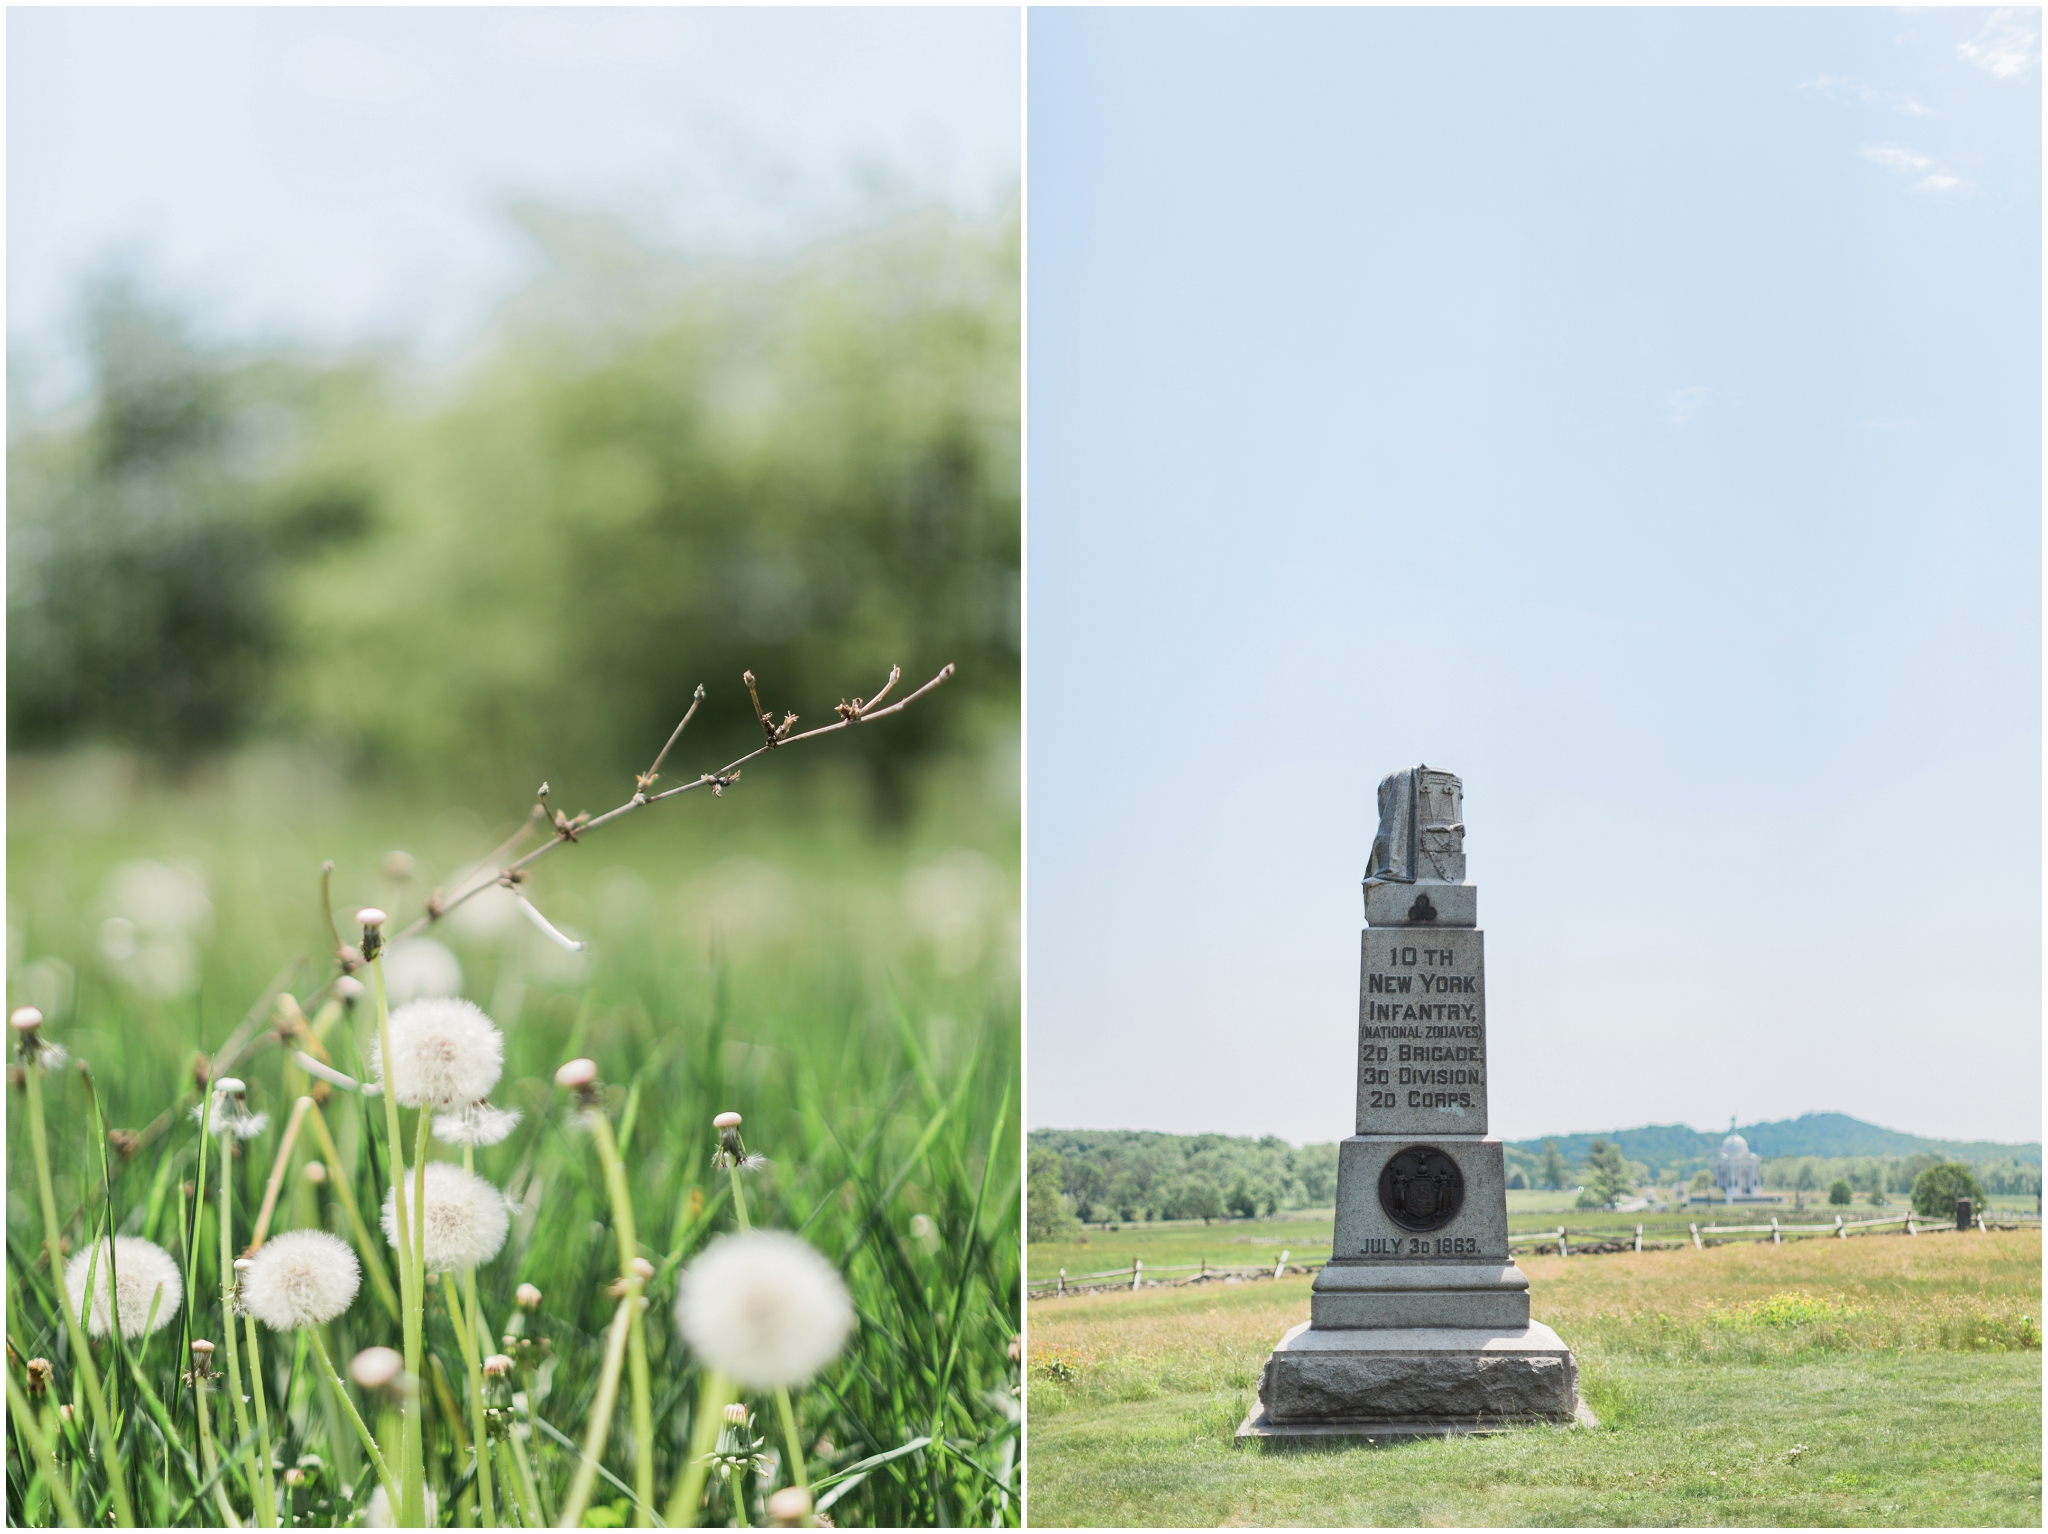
{"points": [[1112, 1176], [657, 473]]}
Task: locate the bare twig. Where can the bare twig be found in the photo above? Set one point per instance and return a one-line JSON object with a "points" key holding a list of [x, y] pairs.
{"points": [[646, 779], [571, 830]]}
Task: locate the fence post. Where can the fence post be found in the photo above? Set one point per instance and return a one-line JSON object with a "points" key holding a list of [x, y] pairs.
{"points": [[1280, 1266], [1639, 1238], [1911, 1228], [1205, 1267], [1697, 1244], [1980, 1226], [1063, 1281], [1562, 1250], [1774, 1232], [1137, 1270], [1840, 1229]]}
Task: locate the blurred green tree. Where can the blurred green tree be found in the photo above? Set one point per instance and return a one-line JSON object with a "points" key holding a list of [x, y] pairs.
{"points": [[659, 472], [1937, 1188]]}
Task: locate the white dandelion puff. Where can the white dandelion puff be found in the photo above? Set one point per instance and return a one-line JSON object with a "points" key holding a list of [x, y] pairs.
{"points": [[478, 1124], [300, 1278], [466, 1218], [764, 1307], [377, 1515], [445, 1053], [139, 1275]]}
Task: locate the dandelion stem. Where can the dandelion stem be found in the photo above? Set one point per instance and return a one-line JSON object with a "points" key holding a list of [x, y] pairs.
{"points": [[81, 1356], [262, 1419], [795, 1439], [60, 1490], [688, 1499], [208, 1458], [636, 1340], [465, 1329], [739, 1201], [517, 1498], [372, 1254], [261, 1488], [412, 1509], [277, 1169], [355, 1418], [600, 1419], [529, 1490]]}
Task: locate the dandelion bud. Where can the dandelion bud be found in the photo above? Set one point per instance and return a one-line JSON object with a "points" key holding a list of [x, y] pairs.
{"points": [[40, 1374], [25, 1019], [736, 1414], [789, 1507], [375, 1368], [1016, 1349], [398, 866], [528, 1297], [295, 1476], [349, 989], [370, 916], [577, 1075], [66, 1413], [726, 1121], [202, 1350], [315, 1172], [497, 1364], [641, 1268]]}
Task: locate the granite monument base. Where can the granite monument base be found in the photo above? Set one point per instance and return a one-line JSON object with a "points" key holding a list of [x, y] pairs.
{"points": [[1350, 1295], [1395, 1382]]}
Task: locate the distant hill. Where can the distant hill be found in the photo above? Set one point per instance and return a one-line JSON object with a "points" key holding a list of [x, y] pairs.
{"points": [[1811, 1134]]}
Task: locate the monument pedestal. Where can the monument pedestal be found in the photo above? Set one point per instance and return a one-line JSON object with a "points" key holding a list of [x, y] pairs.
{"points": [[1360, 1383], [1420, 1322]]}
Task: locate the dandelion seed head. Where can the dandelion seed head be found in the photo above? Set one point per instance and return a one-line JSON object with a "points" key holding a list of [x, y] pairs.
{"points": [[377, 1515], [300, 1278], [788, 1507], [128, 1283], [370, 916], [478, 1124], [445, 1053], [764, 1307], [374, 1368], [726, 1121], [466, 1218], [25, 1019]]}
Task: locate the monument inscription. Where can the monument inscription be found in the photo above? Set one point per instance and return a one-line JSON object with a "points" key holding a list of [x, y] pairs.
{"points": [[1422, 1031]]}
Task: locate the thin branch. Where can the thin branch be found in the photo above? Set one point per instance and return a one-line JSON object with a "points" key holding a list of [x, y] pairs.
{"points": [[646, 779], [568, 831]]}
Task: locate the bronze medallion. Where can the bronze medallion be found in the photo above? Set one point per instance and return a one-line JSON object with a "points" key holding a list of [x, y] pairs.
{"points": [[1421, 1188]]}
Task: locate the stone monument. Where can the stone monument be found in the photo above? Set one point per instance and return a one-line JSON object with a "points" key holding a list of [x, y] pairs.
{"points": [[1420, 1322]]}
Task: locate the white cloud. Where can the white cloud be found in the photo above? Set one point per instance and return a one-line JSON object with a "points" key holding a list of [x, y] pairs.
{"points": [[2008, 45], [1681, 405], [1940, 181], [1895, 158]]}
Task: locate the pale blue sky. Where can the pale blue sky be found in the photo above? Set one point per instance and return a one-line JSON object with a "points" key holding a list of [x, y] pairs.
{"points": [[1636, 412], [332, 175]]}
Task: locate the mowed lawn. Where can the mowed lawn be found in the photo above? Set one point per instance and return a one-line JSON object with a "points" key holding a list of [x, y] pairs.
{"points": [[1883, 1380]]}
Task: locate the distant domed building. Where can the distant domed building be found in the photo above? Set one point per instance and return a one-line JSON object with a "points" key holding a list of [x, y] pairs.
{"points": [[1738, 1170]]}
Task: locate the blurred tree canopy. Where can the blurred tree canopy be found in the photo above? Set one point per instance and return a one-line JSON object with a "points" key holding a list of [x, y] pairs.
{"points": [[659, 474]]}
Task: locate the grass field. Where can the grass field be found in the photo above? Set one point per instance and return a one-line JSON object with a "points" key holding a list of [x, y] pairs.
{"points": [[852, 992], [1884, 1380]]}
